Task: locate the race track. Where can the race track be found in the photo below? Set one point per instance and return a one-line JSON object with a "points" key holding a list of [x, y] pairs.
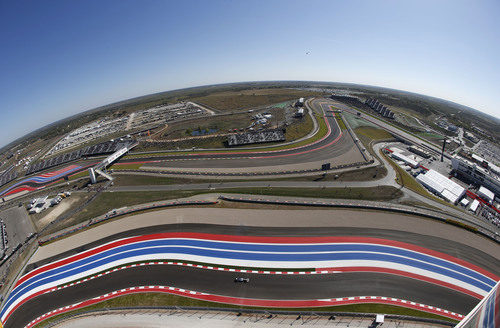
{"points": [[336, 147], [331, 267]]}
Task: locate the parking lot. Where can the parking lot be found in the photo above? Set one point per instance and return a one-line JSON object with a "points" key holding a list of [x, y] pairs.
{"points": [[17, 225], [145, 119]]}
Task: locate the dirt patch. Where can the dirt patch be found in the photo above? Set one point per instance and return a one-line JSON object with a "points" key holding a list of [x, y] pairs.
{"points": [[63, 206]]}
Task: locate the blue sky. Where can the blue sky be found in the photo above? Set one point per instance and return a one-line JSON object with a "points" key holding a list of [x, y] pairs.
{"points": [[58, 58]]}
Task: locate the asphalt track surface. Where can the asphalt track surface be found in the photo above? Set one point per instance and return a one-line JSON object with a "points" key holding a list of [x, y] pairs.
{"points": [[267, 286], [260, 286], [336, 144]]}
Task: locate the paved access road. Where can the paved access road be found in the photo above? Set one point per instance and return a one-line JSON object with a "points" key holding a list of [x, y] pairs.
{"points": [[391, 128]]}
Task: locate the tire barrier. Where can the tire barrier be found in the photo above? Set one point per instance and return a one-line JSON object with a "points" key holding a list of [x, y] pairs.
{"points": [[120, 212], [385, 207]]}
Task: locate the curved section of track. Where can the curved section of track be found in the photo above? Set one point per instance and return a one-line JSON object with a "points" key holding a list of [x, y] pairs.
{"points": [[41, 180], [338, 267], [325, 302], [334, 145]]}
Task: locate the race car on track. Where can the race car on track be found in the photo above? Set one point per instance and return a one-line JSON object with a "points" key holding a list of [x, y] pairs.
{"points": [[240, 279]]}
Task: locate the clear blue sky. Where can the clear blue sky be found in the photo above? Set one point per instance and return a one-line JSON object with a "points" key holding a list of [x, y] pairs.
{"points": [[58, 58]]}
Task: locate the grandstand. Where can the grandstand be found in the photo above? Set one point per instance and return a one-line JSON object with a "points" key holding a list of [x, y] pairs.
{"points": [[256, 137], [7, 176], [379, 108], [94, 150]]}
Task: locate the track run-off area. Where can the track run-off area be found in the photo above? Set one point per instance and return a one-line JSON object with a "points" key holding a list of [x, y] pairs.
{"points": [[317, 272]]}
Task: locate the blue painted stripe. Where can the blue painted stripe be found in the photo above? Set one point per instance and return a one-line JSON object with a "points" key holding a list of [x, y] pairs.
{"points": [[244, 256], [214, 244], [281, 248], [39, 180]]}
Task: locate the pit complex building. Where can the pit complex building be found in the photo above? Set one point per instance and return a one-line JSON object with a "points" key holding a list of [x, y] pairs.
{"points": [[442, 186]]}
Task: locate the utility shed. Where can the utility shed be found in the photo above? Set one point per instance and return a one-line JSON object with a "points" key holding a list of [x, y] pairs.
{"points": [[486, 194]]}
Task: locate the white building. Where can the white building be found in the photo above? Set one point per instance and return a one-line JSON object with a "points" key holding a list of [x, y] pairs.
{"points": [[487, 177], [300, 102], [474, 205], [300, 112], [441, 185], [400, 157], [486, 194]]}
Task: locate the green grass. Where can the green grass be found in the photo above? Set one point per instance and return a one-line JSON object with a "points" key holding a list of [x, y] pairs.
{"points": [[364, 111], [340, 122], [372, 133], [107, 201], [364, 174], [322, 130], [147, 180], [355, 121], [379, 193], [131, 166], [162, 299], [430, 135], [368, 135], [78, 175], [110, 200], [299, 128]]}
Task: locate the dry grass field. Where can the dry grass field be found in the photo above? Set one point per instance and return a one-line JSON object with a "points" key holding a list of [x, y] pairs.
{"points": [[246, 99]]}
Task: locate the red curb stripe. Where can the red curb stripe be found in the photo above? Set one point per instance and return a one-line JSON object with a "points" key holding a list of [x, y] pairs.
{"points": [[251, 302], [259, 239], [318, 271]]}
